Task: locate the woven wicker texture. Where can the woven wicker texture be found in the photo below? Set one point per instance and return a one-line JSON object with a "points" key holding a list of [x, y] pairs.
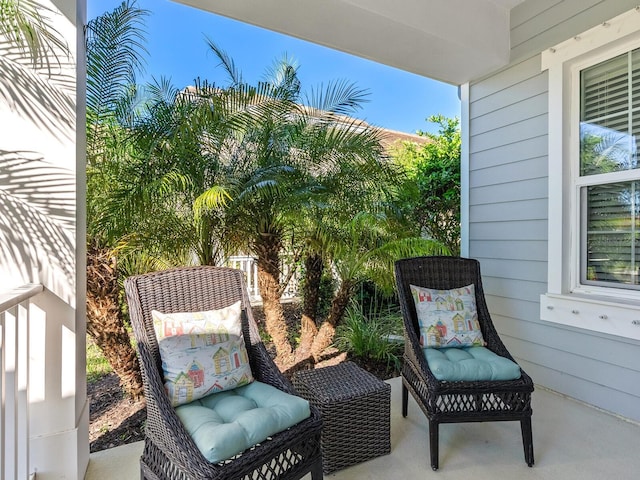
{"points": [[169, 451], [355, 410], [453, 402]]}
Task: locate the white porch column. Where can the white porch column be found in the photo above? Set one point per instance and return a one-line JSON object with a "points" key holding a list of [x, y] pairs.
{"points": [[42, 235]]}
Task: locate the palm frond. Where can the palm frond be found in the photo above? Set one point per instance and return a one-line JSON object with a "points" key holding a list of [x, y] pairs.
{"points": [[339, 97], [212, 198], [282, 78], [115, 46], [226, 62]]}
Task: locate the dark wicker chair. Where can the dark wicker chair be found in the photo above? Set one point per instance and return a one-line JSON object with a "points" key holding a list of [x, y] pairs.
{"points": [[169, 452], [454, 402]]}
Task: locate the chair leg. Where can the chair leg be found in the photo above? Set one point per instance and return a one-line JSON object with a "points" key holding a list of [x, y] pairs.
{"points": [[433, 443], [316, 470], [527, 440], [405, 400]]}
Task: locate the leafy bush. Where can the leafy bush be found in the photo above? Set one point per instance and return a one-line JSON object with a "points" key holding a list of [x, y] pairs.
{"points": [[432, 193], [368, 335]]}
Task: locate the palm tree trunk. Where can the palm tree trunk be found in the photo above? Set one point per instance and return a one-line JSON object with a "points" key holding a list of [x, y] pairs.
{"points": [[105, 323], [336, 312], [268, 253], [313, 267]]}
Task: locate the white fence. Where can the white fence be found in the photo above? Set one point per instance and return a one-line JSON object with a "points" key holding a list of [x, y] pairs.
{"points": [[14, 381], [249, 266]]}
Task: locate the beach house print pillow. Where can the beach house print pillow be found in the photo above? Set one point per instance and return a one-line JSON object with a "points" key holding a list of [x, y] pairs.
{"points": [[447, 318], [201, 352]]}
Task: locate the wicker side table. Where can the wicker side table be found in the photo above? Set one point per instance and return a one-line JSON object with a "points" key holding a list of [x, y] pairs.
{"points": [[355, 408]]}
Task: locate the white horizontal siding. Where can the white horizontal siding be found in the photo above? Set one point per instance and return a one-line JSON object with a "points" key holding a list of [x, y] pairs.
{"points": [[528, 270], [535, 105], [597, 372], [528, 10], [494, 86], [615, 401], [513, 289], [613, 350], [508, 211]]}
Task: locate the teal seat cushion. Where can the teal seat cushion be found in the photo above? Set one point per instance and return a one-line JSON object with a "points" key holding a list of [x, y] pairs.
{"points": [[470, 364], [226, 423]]}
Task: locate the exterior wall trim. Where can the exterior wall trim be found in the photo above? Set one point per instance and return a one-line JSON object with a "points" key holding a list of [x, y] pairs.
{"points": [[605, 310], [464, 169]]}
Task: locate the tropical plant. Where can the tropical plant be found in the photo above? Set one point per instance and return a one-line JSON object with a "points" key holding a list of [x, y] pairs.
{"points": [[432, 194], [263, 169], [369, 334], [293, 144], [306, 170], [114, 55], [365, 248]]}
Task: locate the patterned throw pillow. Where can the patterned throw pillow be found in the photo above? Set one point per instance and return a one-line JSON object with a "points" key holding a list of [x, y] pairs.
{"points": [[447, 318], [201, 352]]}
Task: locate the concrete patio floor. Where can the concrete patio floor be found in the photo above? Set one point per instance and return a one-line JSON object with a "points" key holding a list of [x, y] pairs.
{"points": [[571, 441]]}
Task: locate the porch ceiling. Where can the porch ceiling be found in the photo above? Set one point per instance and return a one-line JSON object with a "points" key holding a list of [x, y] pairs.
{"points": [[452, 41]]}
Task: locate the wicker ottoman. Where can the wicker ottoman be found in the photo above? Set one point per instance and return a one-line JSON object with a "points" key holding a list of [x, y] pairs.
{"points": [[355, 413]]}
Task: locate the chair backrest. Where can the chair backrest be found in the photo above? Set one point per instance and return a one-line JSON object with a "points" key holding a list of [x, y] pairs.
{"points": [[188, 289], [442, 273]]}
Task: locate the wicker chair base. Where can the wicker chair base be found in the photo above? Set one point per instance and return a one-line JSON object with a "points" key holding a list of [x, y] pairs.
{"points": [[288, 465], [494, 416]]}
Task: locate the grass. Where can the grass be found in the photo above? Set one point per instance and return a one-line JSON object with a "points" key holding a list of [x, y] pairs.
{"points": [[97, 365]]}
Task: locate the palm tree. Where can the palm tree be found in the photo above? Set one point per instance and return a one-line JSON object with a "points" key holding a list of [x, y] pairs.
{"points": [[291, 156], [365, 248], [114, 42]]}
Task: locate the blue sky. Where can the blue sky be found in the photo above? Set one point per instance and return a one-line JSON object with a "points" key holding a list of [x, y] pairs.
{"points": [[176, 43]]}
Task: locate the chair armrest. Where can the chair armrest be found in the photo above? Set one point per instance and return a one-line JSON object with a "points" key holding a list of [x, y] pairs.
{"points": [[266, 371]]}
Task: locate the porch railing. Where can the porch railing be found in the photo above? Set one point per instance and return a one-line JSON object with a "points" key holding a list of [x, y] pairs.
{"points": [[249, 266], [14, 381]]}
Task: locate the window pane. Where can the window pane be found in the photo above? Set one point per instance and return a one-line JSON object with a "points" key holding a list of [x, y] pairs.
{"points": [[608, 117], [612, 247], [606, 146], [605, 88]]}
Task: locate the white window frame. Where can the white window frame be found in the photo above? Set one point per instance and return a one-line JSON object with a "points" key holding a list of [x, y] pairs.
{"points": [[604, 309]]}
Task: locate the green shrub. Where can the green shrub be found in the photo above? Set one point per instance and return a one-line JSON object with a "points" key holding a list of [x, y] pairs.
{"points": [[366, 335]]}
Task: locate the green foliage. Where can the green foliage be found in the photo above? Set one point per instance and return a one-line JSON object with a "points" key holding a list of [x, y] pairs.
{"points": [[371, 298], [325, 291], [183, 176], [365, 334], [115, 54], [431, 196]]}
